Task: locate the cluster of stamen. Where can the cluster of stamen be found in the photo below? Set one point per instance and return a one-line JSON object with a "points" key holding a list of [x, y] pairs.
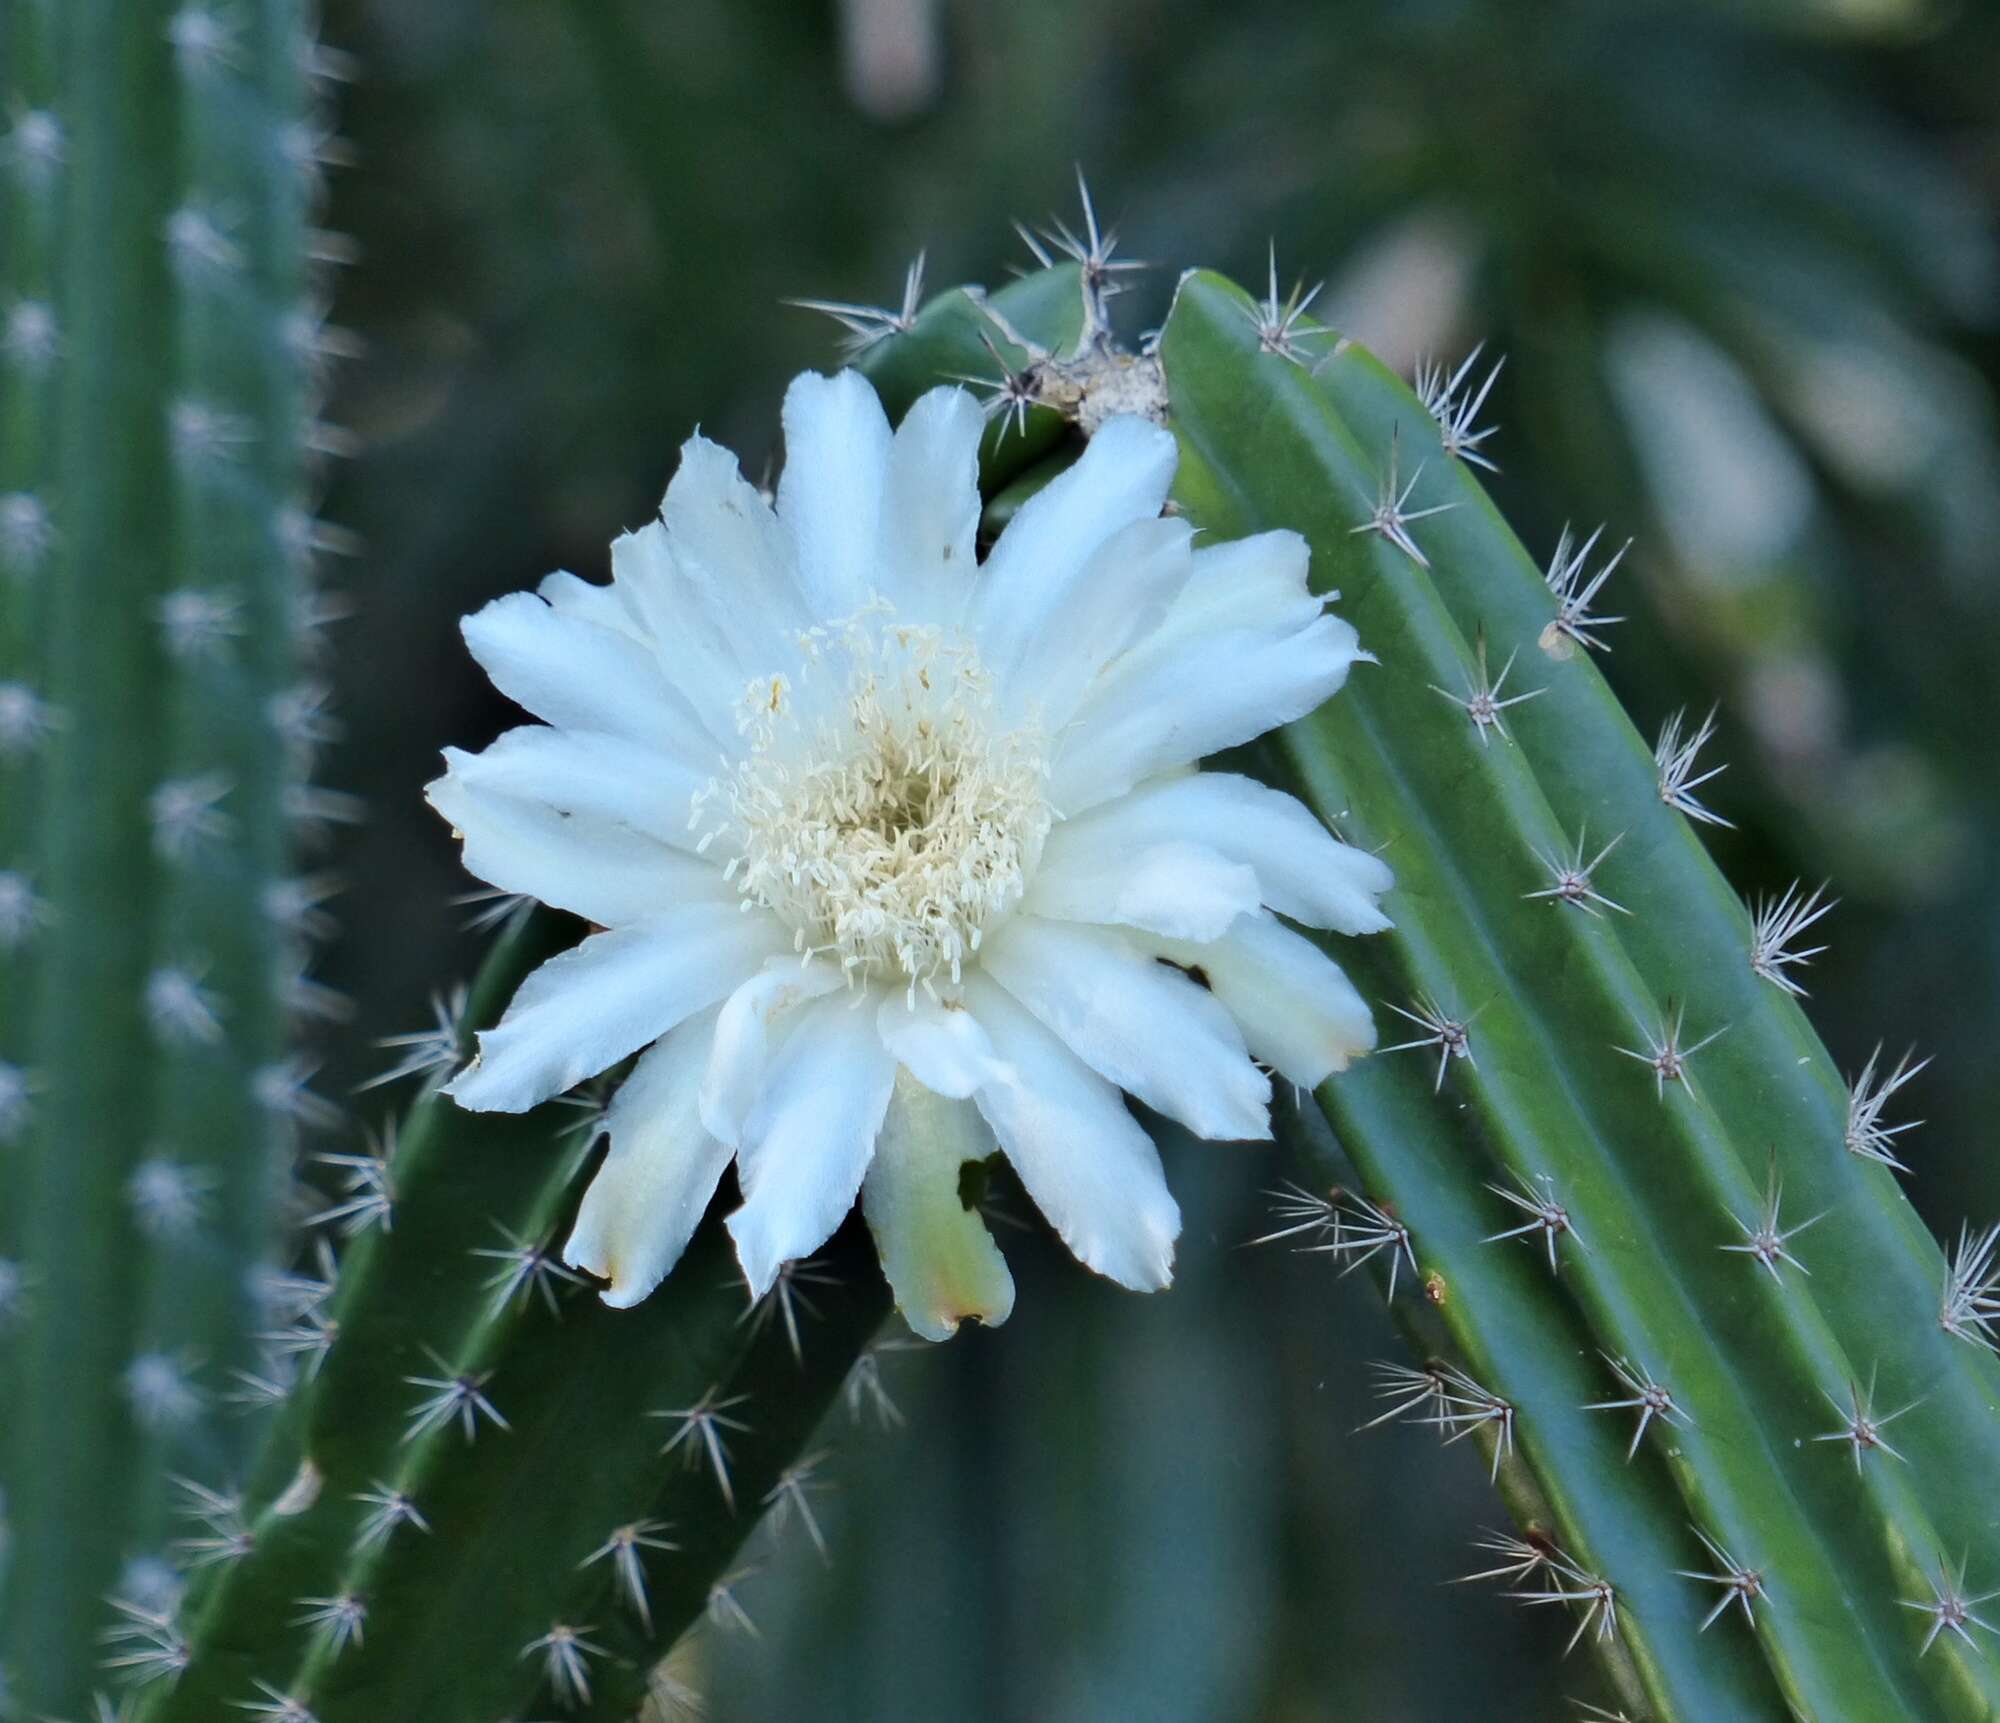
{"points": [[883, 813]]}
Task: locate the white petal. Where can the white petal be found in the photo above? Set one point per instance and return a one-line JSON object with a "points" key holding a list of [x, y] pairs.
{"points": [[941, 1045], [592, 774], [830, 496], [1298, 1011], [1082, 1157], [1172, 700], [1260, 579], [1303, 870], [692, 655], [1140, 1023], [1122, 595], [734, 561], [1122, 476], [577, 675], [611, 995], [808, 1141], [658, 1175], [1182, 890], [930, 508], [587, 602], [603, 872], [742, 1045], [938, 1257]]}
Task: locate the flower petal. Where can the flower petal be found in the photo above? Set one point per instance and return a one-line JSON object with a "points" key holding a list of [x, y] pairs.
{"points": [[609, 996], [808, 1141], [1180, 697], [830, 496], [1122, 476], [1140, 1023], [586, 601], [693, 656], [588, 773], [1085, 1160], [930, 508], [1298, 1011], [579, 676], [604, 872], [938, 1257], [742, 1043], [658, 1175], [941, 1045], [1182, 890], [1303, 870], [1122, 595]]}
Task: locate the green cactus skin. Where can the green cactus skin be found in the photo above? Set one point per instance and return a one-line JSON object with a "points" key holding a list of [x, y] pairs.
{"points": [[468, 1614], [1651, 1170], [162, 436]]}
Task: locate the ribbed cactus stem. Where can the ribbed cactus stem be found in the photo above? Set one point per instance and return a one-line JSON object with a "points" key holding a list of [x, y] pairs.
{"points": [[161, 445], [1592, 1081]]}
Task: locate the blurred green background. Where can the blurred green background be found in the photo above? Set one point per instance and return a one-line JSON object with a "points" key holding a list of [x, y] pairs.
{"points": [[1741, 260]]}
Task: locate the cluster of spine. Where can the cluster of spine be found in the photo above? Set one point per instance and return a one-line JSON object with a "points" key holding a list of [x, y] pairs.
{"points": [[161, 286], [1649, 1242]]}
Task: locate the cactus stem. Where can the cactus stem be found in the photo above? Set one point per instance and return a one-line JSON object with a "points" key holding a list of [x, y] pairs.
{"points": [[340, 1621], [30, 338], [1664, 1052], [17, 1100], [702, 1434], [1449, 1034], [452, 1396], [1283, 324], [622, 1549], [1536, 1199], [1648, 1398], [1391, 516], [865, 325], [1449, 399], [1741, 1586], [1950, 1609], [26, 719], [1571, 880], [1575, 590], [388, 1509], [1675, 756], [1867, 1136], [21, 910], [1767, 1239], [1481, 697], [1361, 1231], [161, 1390], [791, 1495], [1776, 925], [185, 816], [1860, 1428]]}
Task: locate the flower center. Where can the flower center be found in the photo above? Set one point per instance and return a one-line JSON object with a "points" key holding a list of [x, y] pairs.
{"points": [[882, 812]]}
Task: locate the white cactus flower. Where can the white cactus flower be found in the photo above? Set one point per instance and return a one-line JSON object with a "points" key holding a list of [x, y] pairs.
{"points": [[900, 857]]}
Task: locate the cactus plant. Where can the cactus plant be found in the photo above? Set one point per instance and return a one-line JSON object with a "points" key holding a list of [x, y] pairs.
{"points": [[159, 180], [1660, 1258]]}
